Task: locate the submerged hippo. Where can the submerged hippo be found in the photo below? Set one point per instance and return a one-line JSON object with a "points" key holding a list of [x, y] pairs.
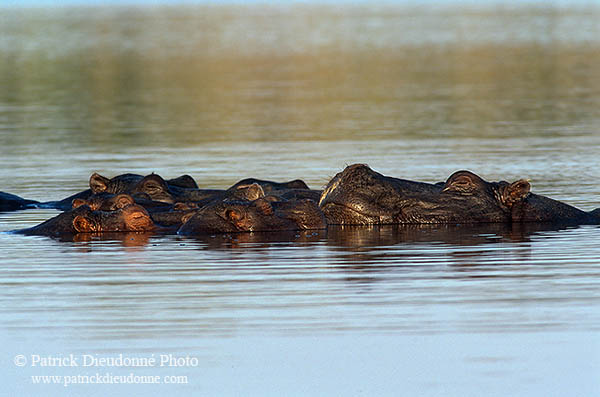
{"points": [[11, 202], [105, 201], [164, 213], [153, 185], [254, 216], [269, 186], [292, 190], [360, 196], [82, 219], [160, 213]]}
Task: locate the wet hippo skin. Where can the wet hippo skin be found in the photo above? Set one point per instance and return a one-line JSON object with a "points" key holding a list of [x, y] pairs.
{"points": [[360, 196]]}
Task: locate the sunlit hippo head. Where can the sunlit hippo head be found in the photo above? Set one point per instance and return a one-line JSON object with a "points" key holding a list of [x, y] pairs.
{"points": [[270, 186], [358, 195], [250, 192], [119, 184], [155, 187], [105, 201], [254, 216], [152, 186], [82, 219], [131, 218]]}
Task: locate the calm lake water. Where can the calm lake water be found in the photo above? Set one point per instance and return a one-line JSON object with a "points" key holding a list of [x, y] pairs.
{"points": [[284, 92]]}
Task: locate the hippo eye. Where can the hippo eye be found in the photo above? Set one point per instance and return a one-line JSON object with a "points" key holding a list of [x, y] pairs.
{"points": [[152, 188], [123, 200], [461, 184], [179, 206], [234, 215]]}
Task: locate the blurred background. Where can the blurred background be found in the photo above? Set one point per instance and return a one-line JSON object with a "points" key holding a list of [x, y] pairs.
{"points": [[226, 90]]}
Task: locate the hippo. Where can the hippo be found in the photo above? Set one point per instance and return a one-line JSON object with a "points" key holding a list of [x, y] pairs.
{"points": [[254, 216], [161, 213], [269, 186], [105, 201], [98, 185], [11, 202], [295, 189], [298, 194], [153, 185], [183, 181], [248, 192], [182, 211], [82, 219], [283, 191], [360, 196], [537, 208], [183, 188]]}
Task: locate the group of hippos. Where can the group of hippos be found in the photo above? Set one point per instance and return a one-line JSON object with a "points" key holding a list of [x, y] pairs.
{"points": [[356, 196]]}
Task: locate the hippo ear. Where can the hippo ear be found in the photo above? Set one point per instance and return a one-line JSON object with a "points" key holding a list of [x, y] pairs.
{"points": [[123, 200], [462, 182], [263, 206], [254, 192], [82, 224], [98, 183], [515, 192], [78, 203]]}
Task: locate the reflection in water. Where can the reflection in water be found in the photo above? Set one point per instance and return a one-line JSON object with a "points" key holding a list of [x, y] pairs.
{"points": [[357, 238], [129, 239], [383, 279], [345, 237]]}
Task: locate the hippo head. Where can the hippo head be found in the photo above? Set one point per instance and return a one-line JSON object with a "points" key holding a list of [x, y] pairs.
{"points": [[249, 192], [119, 184], [270, 186], [305, 213], [105, 202], [359, 195], [254, 216], [467, 198], [131, 218], [183, 181], [155, 187], [295, 184]]}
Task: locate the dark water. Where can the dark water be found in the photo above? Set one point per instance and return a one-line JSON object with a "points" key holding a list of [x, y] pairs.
{"points": [[285, 92]]}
